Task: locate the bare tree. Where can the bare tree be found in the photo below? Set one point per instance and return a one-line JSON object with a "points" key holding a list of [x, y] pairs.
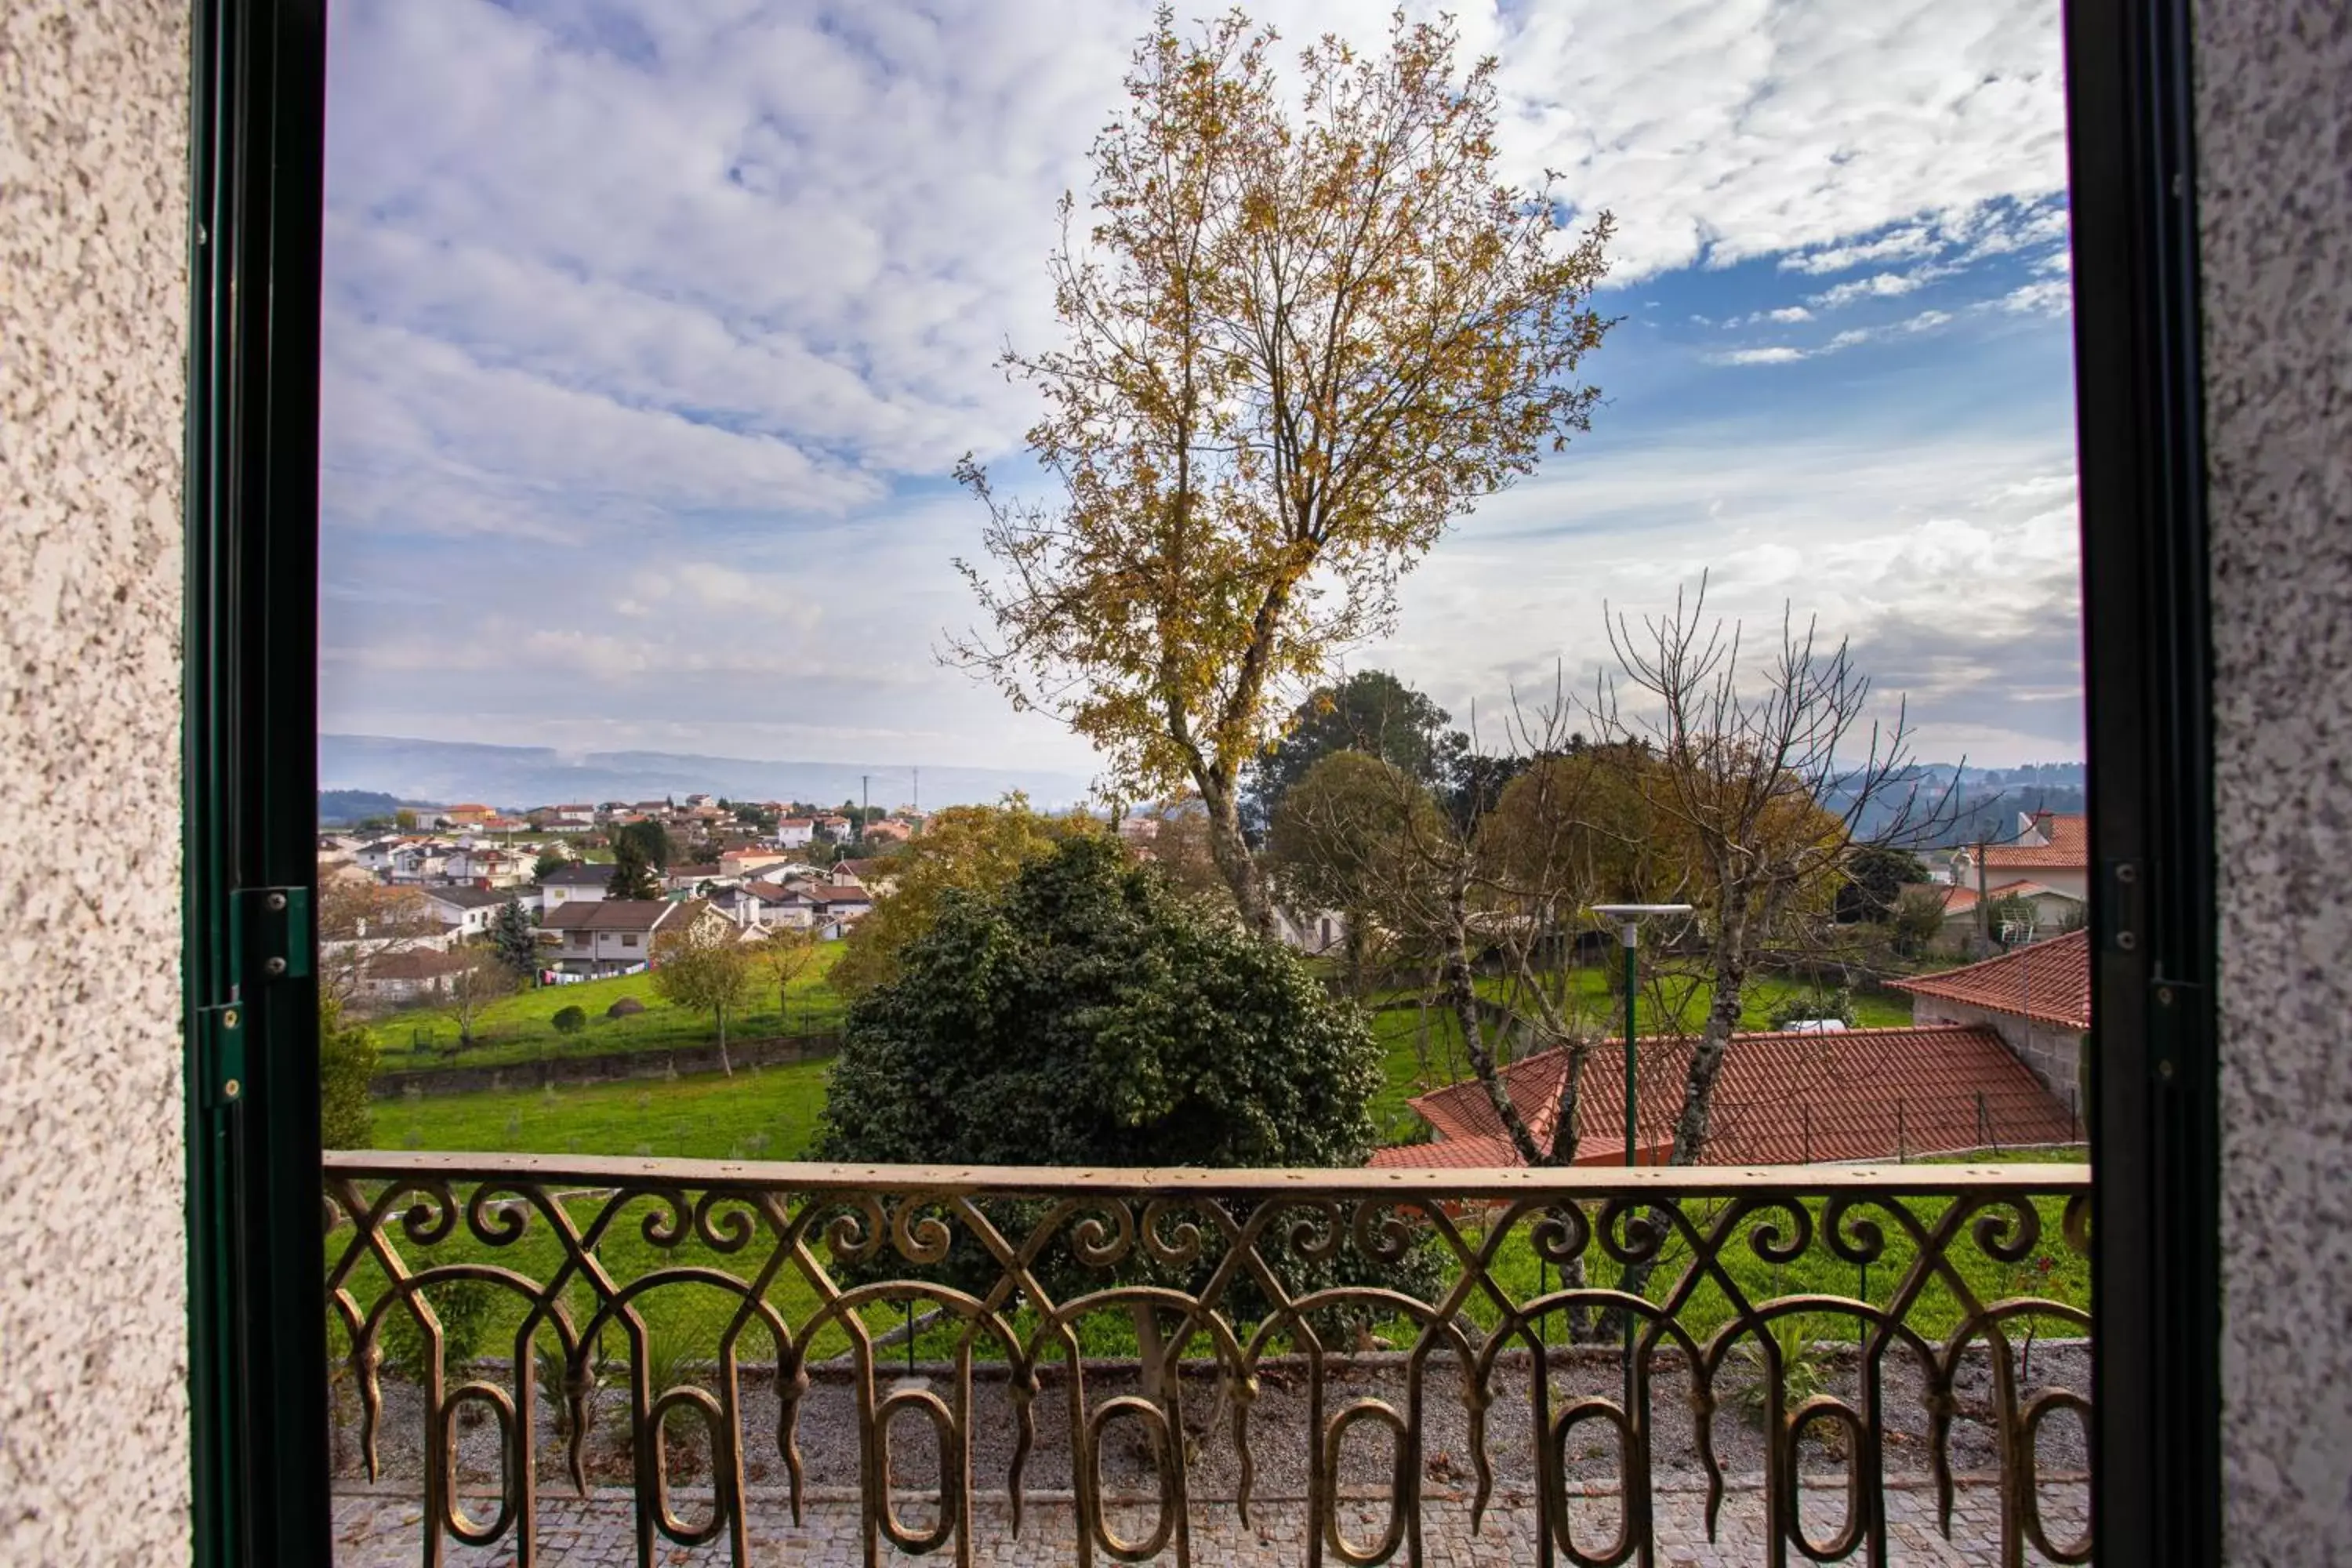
{"points": [[1494, 880], [361, 921], [479, 979], [784, 955], [1765, 771]]}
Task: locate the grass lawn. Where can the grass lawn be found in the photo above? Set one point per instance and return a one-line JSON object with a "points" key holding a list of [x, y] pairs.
{"points": [[519, 1028], [764, 1113], [768, 1114]]}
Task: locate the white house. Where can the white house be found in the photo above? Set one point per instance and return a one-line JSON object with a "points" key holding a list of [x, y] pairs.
{"points": [[487, 864], [795, 832], [419, 862], [2050, 849], [579, 883], [467, 911], [769, 905], [841, 901], [1311, 931], [412, 974], [616, 936]]}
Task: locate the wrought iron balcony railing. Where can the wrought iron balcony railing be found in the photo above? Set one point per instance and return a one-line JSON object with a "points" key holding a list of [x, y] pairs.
{"points": [[1571, 1354]]}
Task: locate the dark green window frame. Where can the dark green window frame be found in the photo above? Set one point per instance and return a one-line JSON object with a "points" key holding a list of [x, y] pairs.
{"points": [[258, 1352]]}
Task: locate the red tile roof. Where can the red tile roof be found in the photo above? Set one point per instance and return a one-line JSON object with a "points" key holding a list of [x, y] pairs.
{"points": [[2023, 889], [1782, 1098], [2069, 846], [2049, 982]]}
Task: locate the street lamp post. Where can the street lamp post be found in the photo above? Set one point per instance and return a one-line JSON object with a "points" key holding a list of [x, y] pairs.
{"points": [[1629, 919]]}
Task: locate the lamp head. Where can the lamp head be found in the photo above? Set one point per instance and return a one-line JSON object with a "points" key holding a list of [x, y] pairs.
{"points": [[1629, 917]]}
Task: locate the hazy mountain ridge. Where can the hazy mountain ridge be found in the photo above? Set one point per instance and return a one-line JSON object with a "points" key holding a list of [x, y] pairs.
{"points": [[518, 777]]}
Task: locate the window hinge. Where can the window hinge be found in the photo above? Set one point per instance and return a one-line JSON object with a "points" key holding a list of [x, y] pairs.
{"points": [[273, 933], [220, 1054]]}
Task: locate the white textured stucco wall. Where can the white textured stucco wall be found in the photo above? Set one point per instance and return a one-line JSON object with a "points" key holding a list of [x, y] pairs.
{"points": [[93, 1337], [2275, 178]]}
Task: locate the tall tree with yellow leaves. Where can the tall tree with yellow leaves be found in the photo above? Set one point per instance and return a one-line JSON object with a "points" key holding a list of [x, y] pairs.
{"points": [[1303, 333]]}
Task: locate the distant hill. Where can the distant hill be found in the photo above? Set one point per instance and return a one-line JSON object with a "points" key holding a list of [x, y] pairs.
{"points": [[341, 807], [1949, 806], [513, 778]]}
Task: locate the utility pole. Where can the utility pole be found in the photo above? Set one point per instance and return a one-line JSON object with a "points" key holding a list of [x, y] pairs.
{"points": [[865, 798], [918, 791], [1984, 911]]}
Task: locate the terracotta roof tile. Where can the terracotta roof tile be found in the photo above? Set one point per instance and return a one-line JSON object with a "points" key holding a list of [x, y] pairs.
{"points": [[1782, 1098], [2069, 846], [2049, 982]]}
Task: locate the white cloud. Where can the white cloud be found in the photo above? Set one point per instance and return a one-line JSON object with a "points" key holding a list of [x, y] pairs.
{"points": [[1879, 285], [1910, 240], [652, 327], [1950, 565], [1722, 130]]}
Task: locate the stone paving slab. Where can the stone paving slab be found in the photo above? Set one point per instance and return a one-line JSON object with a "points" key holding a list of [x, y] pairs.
{"points": [[378, 1529]]}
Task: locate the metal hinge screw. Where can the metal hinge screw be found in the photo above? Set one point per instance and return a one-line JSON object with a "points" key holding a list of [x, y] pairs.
{"points": [[276, 966], [276, 903], [232, 1088]]}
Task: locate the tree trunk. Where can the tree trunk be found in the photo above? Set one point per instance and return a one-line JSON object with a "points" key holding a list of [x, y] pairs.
{"points": [[1462, 996], [1715, 1039], [1706, 1057], [1232, 853], [724, 1065], [1150, 1351]]}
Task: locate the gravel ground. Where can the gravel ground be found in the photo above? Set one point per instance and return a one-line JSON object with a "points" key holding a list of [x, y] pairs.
{"points": [[1277, 1431]]}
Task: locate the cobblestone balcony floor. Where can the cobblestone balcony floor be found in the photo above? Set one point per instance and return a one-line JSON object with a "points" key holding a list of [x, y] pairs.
{"points": [[383, 1530]]}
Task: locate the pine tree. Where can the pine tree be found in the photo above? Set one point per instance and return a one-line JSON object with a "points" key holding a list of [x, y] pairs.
{"points": [[515, 939], [632, 874]]}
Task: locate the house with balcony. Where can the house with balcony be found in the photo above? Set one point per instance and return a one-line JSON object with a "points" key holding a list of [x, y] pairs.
{"points": [[616, 936]]}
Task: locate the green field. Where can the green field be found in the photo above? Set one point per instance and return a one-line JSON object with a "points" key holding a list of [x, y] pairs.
{"points": [[519, 1030], [766, 1114]]}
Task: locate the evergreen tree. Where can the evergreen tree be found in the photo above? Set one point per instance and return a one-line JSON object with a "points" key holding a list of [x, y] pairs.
{"points": [[515, 939], [633, 875]]}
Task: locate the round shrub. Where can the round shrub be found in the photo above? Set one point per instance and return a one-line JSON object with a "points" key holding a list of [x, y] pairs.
{"points": [[625, 1007], [569, 1020]]}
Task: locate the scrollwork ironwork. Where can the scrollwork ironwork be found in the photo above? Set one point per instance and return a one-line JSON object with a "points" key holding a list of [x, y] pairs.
{"points": [[1254, 1271]]}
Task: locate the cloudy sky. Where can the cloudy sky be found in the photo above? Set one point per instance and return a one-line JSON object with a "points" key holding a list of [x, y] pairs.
{"points": [[654, 329]]}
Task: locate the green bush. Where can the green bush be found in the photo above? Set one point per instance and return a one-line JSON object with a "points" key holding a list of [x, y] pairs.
{"points": [[1799, 1006], [1089, 1014], [463, 1307], [347, 1062], [569, 1020]]}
